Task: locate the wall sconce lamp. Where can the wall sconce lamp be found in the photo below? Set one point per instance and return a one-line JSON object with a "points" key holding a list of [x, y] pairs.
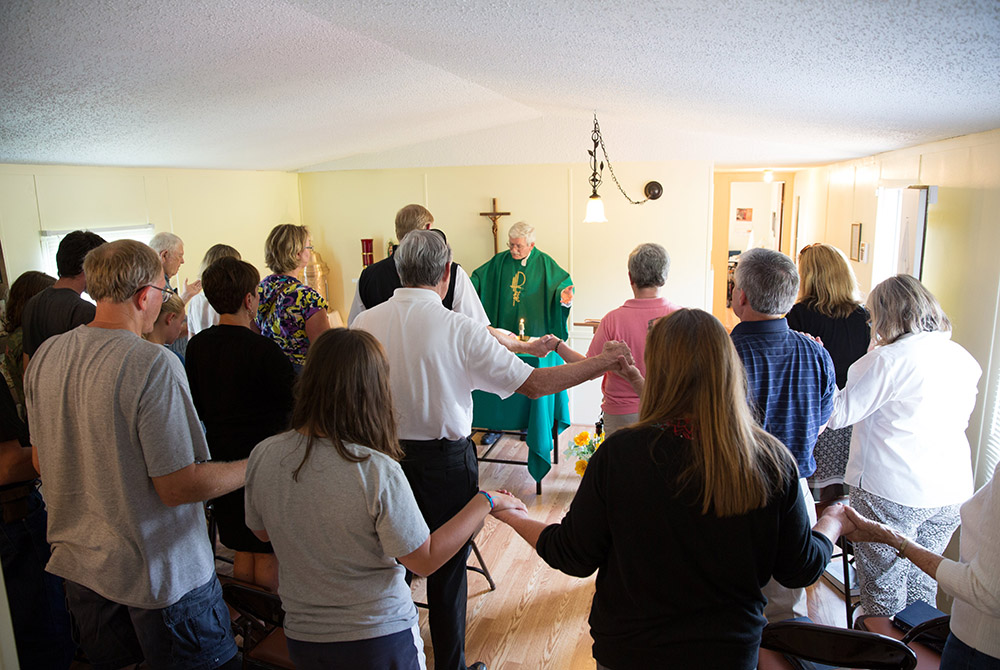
{"points": [[595, 206], [768, 176]]}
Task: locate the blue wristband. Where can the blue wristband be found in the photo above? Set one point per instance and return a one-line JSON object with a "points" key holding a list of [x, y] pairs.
{"points": [[490, 498]]}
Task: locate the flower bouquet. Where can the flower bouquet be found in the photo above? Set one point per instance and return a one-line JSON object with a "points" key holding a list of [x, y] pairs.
{"points": [[583, 447]]}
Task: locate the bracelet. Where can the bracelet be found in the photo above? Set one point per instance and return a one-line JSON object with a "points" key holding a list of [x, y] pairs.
{"points": [[557, 344], [490, 498], [902, 548]]}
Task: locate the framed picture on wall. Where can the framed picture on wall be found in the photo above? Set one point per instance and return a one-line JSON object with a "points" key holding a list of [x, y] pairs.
{"points": [[744, 214], [856, 242]]}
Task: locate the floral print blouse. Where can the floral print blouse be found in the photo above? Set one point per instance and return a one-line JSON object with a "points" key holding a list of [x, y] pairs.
{"points": [[285, 306]]}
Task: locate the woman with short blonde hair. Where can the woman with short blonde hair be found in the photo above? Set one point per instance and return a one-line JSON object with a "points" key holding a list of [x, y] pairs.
{"points": [[693, 504], [290, 312], [910, 467], [284, 247], [829, 307]]}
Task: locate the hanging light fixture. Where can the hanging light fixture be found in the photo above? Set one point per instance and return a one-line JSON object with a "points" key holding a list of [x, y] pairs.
{"points": [[595, 206]]}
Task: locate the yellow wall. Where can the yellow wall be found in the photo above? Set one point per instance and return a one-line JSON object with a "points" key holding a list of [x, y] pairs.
{"points": [[239, 208], [963, 236], [203, 207], [342, 207]]}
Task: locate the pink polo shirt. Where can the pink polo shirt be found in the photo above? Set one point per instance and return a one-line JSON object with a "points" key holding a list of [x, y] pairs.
{"points": [[629, 323]]}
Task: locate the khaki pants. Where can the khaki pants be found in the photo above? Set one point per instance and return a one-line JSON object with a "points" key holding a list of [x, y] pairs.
{"points": [[782, 602]]}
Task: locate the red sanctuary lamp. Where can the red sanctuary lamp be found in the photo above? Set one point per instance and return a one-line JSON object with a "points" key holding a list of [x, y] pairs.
{"points": [[367, 252]]}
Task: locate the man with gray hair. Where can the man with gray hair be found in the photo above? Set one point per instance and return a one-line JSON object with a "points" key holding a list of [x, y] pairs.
{"points": [[124, 459], [170, 249], [525, 285], [436, 359], [790, 380]]}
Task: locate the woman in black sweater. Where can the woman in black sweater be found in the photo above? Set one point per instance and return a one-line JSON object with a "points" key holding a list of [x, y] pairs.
{"points": [[686, 515], [829, 307]]}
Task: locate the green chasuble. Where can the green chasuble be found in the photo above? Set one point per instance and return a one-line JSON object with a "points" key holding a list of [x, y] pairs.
{"points": [[511, 292]]}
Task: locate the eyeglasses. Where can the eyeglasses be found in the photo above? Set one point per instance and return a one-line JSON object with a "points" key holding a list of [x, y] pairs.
{"points": [[518, 247], [165, 290]]}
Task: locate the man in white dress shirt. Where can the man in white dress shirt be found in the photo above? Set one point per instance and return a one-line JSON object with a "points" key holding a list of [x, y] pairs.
{"points": [[437, 357]]}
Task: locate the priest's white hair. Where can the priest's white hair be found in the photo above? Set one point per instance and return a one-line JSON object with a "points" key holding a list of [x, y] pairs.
{"points": [[521, 230]]}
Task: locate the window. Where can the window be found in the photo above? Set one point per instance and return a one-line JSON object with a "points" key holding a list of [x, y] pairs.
{"points": [[51, 239]]}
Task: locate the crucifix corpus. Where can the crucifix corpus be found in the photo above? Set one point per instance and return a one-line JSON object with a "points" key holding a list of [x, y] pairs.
{"points": [[494, 216]]}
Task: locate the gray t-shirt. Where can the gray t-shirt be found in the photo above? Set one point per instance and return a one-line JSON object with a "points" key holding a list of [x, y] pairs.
{"points": [[108, 412], [336, 532], [54, 311]]}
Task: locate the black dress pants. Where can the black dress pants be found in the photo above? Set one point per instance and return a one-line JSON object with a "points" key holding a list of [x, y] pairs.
{"points": [[444, 476]]}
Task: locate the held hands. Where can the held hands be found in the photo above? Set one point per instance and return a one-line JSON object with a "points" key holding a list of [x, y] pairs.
{"points": [[866, 530], [838, 514], [615, 349], [542, 346], [504, 501]]}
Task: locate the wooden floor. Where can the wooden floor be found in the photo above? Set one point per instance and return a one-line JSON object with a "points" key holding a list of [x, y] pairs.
{"points": [[537, 617]]}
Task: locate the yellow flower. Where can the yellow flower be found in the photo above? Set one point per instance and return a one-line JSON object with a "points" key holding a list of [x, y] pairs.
{"points": [[581, 467], [600, 441], [582, 439]]}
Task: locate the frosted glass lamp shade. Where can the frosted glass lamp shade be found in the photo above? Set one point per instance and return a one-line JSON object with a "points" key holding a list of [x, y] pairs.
{"points": [[595, 210]]}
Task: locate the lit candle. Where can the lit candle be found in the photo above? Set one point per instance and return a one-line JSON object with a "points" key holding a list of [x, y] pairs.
{"points": [[520, 331]]}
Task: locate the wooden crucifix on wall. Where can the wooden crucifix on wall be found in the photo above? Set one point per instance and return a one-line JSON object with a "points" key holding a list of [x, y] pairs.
{"points": [[494, 216]]}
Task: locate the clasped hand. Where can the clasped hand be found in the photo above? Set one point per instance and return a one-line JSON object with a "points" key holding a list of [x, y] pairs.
{"points": [[504, 501]]}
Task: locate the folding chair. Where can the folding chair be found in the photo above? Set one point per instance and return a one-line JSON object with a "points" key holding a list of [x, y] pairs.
{"points": [[259, 624], [814, 643]]}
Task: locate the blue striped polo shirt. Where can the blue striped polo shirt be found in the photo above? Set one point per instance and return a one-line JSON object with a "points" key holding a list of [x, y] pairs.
{"points": [[790, 383]]}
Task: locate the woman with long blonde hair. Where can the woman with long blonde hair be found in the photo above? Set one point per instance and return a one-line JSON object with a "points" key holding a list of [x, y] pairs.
{"points": [[829, 307], [686, 514]]}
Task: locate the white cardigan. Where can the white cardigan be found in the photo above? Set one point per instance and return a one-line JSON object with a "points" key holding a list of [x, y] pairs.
{"points": [[909, 403], [975, 580]]}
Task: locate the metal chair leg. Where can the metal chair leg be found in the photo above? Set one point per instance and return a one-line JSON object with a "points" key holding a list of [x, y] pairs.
{"points": [[483, 570]]}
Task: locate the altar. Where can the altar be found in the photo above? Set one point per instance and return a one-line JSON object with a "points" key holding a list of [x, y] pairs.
{"points": [[542, 420]]}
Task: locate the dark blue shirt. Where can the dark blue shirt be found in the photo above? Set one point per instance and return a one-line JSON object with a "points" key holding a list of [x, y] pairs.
{"points": [[790, 380]]}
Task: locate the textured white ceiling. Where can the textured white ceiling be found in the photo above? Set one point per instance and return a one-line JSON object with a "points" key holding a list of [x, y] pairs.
{"points": [[316, 84]]}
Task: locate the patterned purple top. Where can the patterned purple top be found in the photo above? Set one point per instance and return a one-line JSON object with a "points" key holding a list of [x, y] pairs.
{"points": [[285, 306]]}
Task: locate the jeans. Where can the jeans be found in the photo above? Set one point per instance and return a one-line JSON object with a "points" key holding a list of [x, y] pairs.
{"points": [[192, 634], [960, 656], [36, 598]]}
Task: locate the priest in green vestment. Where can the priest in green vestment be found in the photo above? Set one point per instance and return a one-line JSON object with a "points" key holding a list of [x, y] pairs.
{"points": [[525, 283]]}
